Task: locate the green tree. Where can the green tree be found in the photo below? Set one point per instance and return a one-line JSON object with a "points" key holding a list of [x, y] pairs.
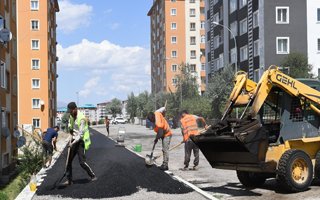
{"points": [[132, 106], [298, 65], [142, 101], [114, 107], [219, 88], [200, 106]]}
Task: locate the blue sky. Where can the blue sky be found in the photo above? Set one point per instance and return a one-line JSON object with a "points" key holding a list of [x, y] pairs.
{"points": [[103, 49]]}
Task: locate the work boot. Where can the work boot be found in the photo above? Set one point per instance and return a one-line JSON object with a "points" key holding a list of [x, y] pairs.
{"points": [[185, 168], [94, 178], [164, 167], [66, 183], [195, 167]]}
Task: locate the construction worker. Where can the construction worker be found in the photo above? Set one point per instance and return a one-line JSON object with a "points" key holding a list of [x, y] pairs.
{"points": [[189, 126], [78, 126], [107, 122], [161, 127], [49, 144]]}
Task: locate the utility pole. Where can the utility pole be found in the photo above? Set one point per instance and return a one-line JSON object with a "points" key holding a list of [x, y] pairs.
{"points": [[77, 98]]}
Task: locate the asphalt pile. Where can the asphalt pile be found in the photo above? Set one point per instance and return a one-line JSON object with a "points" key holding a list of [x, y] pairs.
{"points": [[119, 171]]}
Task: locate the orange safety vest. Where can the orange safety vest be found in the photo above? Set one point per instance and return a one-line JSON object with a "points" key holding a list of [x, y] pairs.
{"points": [[189, 126], [161, 122]]}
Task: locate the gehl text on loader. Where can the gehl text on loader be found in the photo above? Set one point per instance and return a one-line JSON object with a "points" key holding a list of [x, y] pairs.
{"points": [[277, 134]]}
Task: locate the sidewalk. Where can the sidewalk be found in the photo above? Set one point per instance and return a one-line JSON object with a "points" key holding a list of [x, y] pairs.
{"points": [[26, 194]]}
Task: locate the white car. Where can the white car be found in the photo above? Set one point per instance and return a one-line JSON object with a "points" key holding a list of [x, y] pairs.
{"points": [[118, 120]]}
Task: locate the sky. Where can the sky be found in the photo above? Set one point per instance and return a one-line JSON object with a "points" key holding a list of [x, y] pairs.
{"points": [[103, 49]]}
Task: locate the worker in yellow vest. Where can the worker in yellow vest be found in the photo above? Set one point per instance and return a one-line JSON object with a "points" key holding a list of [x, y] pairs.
{"points": [[80, 142], [189, 127]]}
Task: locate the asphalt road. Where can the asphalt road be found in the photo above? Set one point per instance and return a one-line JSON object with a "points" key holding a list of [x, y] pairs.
{"points": [[120, 173]]}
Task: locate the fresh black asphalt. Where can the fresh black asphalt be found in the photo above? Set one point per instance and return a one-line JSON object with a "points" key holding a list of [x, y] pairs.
{"points": [[119, 171]]}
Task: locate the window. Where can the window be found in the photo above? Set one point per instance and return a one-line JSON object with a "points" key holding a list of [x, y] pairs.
{"points": [[242, 3], [233, 5], [192, 68], [192, 12], [173, 11], [202, 25], [318, 44], [203, 39], [3, 74], [318, 14], [203, 80], [256, 75], [216, 17], [173, 40], [282, 15], [192, 40], [234, 28], [36, 103], [192, 26], [35, 83], [203, 66], [283, 45], [36, 122], [233, 55], [216, 41], [256, 48], [173, 26], [243, 53], [14, 85], [34, 25], [2, 22], [35, 44], [192, 1], [174, 81], [243, 26], [35, 63], [255, 19], [173, 0], [192, 54], [173, 54], [174, 67], [34, 5], [202, 11]]}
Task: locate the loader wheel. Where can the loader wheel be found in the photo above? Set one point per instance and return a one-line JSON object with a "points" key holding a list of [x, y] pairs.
{"points": [[317, 166], [295, 171], [251, 179]]}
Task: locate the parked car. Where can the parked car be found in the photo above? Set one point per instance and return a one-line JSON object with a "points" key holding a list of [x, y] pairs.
{"points": [[118, 120]]}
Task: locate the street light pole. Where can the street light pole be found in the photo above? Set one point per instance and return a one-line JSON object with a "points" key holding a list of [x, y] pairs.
{"points": [[235, 42]]}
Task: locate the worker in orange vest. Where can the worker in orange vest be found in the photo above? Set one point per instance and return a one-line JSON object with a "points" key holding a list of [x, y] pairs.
{"points": [[189, 127], [162, 128]]}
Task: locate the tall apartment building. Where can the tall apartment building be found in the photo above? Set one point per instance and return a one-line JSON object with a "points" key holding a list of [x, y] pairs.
{"points": [[8, 90], [37, 68], [177, 36], [265, 31]]}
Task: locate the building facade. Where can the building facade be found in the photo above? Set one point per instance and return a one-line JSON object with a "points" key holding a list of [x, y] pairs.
{"points": [[37, 62], [8, 90], [251, 35], [177, 37]]}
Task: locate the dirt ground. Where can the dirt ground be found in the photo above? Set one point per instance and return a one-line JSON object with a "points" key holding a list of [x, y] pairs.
{"points": [[222, 184]]}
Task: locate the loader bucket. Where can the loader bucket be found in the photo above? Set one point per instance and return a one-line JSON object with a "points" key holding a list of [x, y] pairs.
{"points": [[246, 144]]}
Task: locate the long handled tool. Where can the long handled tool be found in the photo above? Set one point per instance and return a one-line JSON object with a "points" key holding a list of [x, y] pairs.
{"points": [[65, 169], [149, 159], [176, 146]]}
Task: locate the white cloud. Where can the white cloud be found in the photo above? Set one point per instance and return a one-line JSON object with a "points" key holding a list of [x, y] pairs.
{"points": [[73, 16], [114, 26], [113, 70]]}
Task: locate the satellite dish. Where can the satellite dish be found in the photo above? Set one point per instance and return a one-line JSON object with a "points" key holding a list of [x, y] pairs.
{"points": [[5, 132], [16, 133], [21, 141], [5, 35]]}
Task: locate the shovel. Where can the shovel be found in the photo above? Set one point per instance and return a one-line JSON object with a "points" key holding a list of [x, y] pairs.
{"points": [[148, 159], [177, 145]]}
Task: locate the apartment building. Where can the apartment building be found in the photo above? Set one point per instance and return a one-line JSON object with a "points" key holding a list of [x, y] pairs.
{"points": [[251, 35], [177, 37], [8, 89], [37, 62]]}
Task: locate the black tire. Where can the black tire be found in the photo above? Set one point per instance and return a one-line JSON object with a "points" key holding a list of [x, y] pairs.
{"points": [[291, 161], [251, 179], [317, 167]]}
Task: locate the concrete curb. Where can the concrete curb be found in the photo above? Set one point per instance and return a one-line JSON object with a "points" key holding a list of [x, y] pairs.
{"points": [[26, 193], [195, 188]]}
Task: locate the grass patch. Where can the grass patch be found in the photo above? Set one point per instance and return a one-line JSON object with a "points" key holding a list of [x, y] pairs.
{"points": [[11, 191]]}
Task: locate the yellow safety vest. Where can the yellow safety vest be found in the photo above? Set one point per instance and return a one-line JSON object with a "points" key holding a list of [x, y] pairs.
{"points": [[86, 134]]}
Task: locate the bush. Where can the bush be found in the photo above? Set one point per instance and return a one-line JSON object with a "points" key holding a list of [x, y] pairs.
{"points": [[31, 160], [101, 121], [94, 123], [3, 196]]}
